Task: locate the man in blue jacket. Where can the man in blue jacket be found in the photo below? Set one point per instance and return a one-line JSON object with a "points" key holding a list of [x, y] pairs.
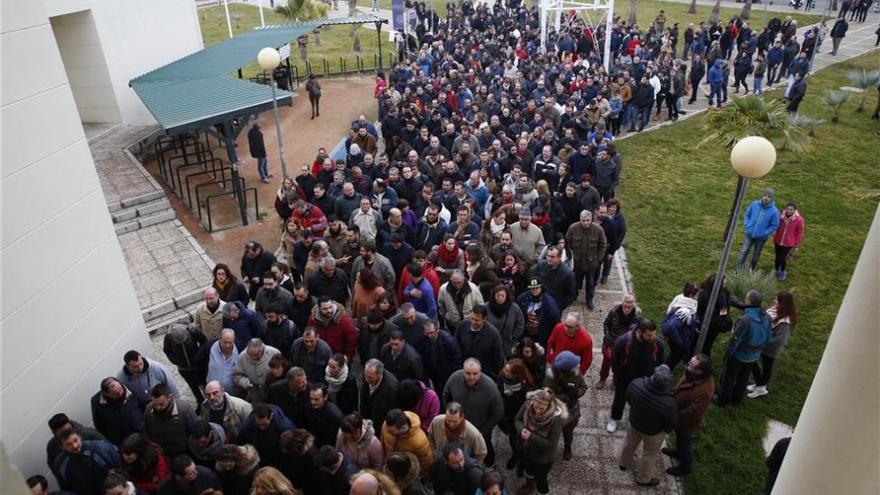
{"points": [[762, 220], [751, 333], [716, 83]]}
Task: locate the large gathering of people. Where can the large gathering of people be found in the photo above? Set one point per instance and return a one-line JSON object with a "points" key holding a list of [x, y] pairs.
{"points": [[425, 292]]}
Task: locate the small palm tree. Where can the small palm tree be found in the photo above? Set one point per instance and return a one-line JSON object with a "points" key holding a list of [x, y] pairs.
{"points": [[692, 8], [302, 10], [632, 12], [746, 11], [740, 282], [716, 12], [835, 99], [753, 116], [805, 122], [864, 80]]}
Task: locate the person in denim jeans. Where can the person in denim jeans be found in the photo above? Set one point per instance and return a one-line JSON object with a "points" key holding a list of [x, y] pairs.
{"points": [[761, 221], [258, 151], [760, 70], [716, 82]]}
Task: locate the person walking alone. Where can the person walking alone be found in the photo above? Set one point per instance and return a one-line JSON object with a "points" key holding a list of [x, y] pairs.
{"points": [[783, 318], [838, 32], [258, 151], [314, 90]]}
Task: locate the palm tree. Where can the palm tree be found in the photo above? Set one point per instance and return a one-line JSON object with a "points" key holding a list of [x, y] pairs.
{"points": [[753, 116], [835, 99], [746, 11], [805, 122], [692, 8], [716, 12], [302, 10], [864, 80], [632, 12]]}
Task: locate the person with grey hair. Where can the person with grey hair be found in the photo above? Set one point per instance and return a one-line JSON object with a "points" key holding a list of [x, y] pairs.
{"points": [[181, 346], [329, 281], [457, 299], [588, 244], [751, 334], [223, 409], [652, 414], [480, 400], [243, 321], [252, 369], [378, 392], [208, 316]]}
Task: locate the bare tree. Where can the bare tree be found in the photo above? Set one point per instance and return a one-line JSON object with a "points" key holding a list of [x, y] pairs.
{"points": [[716, 12], [632, 12], [746, 12]]}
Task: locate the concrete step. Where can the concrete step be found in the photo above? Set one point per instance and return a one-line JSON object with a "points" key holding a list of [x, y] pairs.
{"points": [[141, 210], [144, 216]]}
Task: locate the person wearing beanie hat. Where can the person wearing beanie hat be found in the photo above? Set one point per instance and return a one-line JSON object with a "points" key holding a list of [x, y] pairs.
{"points": [[565, 379], [760, 222], [652, 414]]}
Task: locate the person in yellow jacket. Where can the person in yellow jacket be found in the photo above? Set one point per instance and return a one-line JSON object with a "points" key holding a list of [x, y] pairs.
{"points": [[402, 432]]}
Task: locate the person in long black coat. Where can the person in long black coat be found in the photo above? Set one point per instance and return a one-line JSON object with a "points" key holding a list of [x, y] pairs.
{"points": [[378, 392]]}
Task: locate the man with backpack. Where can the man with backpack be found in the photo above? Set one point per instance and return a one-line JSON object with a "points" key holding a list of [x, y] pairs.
{"points": [[751, 332], [635, 355]]}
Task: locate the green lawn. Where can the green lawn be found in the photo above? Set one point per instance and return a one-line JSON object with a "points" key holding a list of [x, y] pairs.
{"points": [[336, 41], [676, 198], [648, 10]]}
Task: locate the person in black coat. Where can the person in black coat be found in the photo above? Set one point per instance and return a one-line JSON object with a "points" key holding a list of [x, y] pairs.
{"points": [[291, 396], [334, 471], [181, 346], [116, 412], [301, 308], [187, 478], [636, 354], [342, 388], [480, 339], [652, 414], [258, 151], [324, 416], [329, 281], [401, 359], [279, 332], [455, 472], [378, 392], [796, 93], [697, 72], [263, 429], [441, 354], [243, 321], [254, 263]]}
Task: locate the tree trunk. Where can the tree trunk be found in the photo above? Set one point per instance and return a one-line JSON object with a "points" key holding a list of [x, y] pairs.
{"points": [[692, 9], [632, 12], [716, 12], [746, 12], [833, 7]]}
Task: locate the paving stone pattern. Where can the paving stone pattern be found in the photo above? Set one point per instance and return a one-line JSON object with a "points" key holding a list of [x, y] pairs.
{"points": [[120, 178]]}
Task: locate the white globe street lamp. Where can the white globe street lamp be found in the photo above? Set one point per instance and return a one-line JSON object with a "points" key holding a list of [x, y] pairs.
{"points": [[269, 59], [752, 157]]}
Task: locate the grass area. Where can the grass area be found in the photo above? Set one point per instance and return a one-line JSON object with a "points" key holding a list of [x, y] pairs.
{"points": [[648, 10], [676, 199], [336, 41]]}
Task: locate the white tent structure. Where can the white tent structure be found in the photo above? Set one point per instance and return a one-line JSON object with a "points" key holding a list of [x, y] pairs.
{"points": [[554, 9]]}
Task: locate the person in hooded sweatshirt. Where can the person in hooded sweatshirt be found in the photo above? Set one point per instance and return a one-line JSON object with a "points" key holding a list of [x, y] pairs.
{"points": [[761, 221], [751, 334], [680, 325], [716, 83], [652, 414]]}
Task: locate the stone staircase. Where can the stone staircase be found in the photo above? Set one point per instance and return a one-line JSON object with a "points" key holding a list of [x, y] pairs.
{"points": [[141, 211]]}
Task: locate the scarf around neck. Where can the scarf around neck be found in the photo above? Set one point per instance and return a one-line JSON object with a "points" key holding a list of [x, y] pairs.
{"points": [[446, 255], [334, 384], [540, 423]]}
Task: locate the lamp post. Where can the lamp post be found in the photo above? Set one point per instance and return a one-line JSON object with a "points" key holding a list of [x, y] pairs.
{"points": [[752, 157], [269, 59]]}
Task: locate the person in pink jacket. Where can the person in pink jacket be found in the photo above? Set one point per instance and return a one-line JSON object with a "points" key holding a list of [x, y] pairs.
{"points": [[788, 237]]}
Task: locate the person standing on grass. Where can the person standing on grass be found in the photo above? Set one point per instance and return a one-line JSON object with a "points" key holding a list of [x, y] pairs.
{"points": [[692, 395], [680, 325], [751, 333], [636, 354], [314, 90], [258, 151], [783, 318], [761, 220], [788, 237], [652, 413], [796, 93]]}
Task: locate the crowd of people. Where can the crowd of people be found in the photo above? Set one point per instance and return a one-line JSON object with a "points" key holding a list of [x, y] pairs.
{"points": [[422, 295]]}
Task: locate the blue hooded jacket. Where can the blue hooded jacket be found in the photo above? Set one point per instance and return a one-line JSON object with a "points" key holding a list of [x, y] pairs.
{"points": [[716, 74], [761, 220], [751, 333]]}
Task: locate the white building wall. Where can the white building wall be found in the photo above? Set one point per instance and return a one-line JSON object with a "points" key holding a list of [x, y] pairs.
{"points": [[136, 37], [69, 311]]}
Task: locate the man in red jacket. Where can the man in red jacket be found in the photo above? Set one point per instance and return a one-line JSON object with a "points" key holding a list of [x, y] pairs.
{"points": [[334, 326], [788, 237], [309, 216], [570, 336]]}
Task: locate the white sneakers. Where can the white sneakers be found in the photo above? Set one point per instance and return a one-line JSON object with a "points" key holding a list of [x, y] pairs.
{"points": [[611, 427], [758, 392], [750, 387]]}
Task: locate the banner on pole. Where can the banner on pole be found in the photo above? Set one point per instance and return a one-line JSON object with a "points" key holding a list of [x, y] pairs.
{"points": [[284, 51]]}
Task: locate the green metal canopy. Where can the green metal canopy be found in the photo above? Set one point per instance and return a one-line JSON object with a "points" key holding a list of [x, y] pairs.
{"points": [[198, 90]]}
